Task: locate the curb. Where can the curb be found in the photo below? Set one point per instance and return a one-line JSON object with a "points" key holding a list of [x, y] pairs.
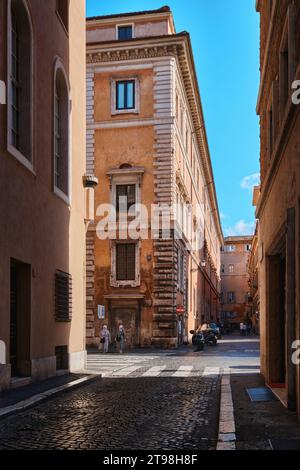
{"points": [[227, 435], [40, 397]]}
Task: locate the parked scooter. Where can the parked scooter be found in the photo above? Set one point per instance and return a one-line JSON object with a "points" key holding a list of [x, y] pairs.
{"points": [[210, 337], [198, 340]]}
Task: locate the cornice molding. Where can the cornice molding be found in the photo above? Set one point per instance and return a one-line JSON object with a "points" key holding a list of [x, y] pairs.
{"points": [[133, 53]]}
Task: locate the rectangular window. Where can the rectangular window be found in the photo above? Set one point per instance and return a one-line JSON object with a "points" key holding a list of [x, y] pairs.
{"points": [[230, 248], [231, 268], [125, 32], [231, 297], [125, 261], [222, 269], [63, 296], [247, 247], [125, 194], [125, 95]]}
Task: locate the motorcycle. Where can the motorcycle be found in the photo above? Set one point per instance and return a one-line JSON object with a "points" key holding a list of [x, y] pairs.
{"points": [[198, 340], [210, 337]]}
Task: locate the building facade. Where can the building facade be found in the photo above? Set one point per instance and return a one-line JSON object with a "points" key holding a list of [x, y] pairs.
{"points": [[42, 201], [253, 271], [278, 206], [146, 143], [235, 296]]}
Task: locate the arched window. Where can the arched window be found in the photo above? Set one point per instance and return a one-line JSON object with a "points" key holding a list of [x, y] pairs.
{"points": [[61, 131], [19, 80]]}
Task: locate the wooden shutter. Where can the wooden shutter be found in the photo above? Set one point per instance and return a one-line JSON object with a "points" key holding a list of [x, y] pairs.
{"points": [[63, 296], [125, 261]]}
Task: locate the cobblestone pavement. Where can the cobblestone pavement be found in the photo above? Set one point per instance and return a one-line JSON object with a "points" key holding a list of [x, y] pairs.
{"points": [[166, 401]]}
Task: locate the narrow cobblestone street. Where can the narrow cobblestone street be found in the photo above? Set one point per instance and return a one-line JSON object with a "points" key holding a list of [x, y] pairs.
{"points": [[166, 400]]}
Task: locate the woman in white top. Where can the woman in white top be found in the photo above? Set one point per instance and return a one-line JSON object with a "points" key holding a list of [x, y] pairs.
{"points": [[104, 338]]}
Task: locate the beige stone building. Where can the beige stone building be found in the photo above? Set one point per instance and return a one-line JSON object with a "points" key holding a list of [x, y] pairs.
{"points": [[235, 307], [42, 163], [146, 141], [278, 206]]}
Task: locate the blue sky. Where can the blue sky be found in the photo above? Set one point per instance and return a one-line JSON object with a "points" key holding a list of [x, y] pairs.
{"points": [[225, 38]]}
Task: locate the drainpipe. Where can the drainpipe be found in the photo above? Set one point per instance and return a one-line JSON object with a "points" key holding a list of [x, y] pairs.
{"points": [[89, 182]]}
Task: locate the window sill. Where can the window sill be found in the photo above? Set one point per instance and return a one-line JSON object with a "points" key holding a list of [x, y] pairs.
{"points": [[117, 112], [21, 158], [115, 283], [64, 197]]}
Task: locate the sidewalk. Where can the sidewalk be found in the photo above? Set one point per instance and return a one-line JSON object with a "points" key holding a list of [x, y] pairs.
{"points": [[264, 425], [17, 399]]}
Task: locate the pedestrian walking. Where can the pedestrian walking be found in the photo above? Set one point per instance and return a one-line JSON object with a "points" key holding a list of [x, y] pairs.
{"points": [[242, 328], [121, 337], [104, 339]]}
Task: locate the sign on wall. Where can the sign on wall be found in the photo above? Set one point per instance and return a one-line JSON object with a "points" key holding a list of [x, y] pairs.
{"points": [[2, 352], [2, 92], [101, 312]]}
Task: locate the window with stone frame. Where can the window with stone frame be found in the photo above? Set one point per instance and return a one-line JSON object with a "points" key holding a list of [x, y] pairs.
{"points": [[19, 81], [125, 268], [61, 133], [230, 297], [231, 268], [125, 95]]}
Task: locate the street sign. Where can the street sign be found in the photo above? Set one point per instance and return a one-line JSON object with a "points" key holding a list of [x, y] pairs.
{"points": [[180, 309], [101, 312]]}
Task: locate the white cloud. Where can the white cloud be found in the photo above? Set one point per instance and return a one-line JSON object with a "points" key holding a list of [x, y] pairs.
{"points": [[251, 180], [240, 228], [222, 215]]}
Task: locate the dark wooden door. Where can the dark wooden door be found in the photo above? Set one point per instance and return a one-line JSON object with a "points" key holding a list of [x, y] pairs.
{"points": [[129, 317], [13, 320]]}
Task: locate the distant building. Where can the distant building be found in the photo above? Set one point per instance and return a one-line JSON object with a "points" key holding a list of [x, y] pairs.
{"points": [[146, 142], [42, 209], [278, 206], [235, 296]]}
